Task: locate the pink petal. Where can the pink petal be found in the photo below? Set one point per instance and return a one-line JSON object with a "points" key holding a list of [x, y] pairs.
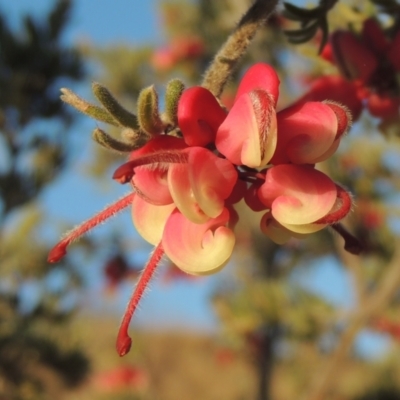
{"points": [[182, 194], [152, 185], [149, 220], [199, 116], [200, 187], [248, 134], [198, 249], [297, 195], [212, 180], [151, 182], [306, 131], [260, 76], [329, 153]]}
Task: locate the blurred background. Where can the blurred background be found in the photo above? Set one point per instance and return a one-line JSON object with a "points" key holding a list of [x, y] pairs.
{"points": [[304, 320]]}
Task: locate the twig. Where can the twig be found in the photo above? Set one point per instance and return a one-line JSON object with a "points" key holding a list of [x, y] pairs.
{"points": [[236, 45], [390, 283]]}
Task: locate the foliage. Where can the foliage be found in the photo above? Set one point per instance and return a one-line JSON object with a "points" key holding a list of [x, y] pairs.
{"points": [[34, 360]]}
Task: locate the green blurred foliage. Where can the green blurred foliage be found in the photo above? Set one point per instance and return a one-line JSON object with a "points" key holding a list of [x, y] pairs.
{"points": [[37, 359]]}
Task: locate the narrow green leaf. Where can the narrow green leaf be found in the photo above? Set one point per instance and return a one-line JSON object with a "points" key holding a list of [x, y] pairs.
{"points": [[98, 113], [148, 113], [173, 93], [312, 28], [123, 116], [107, 141], [303, 36]]}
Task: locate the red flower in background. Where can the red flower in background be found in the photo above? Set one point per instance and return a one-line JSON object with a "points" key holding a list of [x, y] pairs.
{"points": [[180, 49], [122, 378], [117, 270], [368, 63], [385, 325]]}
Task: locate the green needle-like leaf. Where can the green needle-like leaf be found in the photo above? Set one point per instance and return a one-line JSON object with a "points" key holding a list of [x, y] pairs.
{"points": [[148, 114], [123, 116]]}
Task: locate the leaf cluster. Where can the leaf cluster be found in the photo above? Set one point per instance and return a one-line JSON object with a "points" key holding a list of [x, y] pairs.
{"points": [[311, 20]]}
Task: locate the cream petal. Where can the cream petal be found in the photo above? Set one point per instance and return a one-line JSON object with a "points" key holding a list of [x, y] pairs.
{"points": [[149, 220], [198, 249], [297, 194]]}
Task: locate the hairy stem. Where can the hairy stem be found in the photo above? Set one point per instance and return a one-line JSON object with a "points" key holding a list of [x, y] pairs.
{"points": [[236, 45]]}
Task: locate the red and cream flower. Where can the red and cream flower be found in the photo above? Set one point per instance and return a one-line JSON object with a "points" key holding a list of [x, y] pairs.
{"points": [[185, 188]]}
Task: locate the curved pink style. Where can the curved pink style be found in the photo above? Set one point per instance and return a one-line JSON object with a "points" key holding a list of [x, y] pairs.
{"points": [[200, 187], [297, 195], [150, 181], [249, 133], [198, 249], [149, 220], [260, 77], [199, 116], [306, 132]]}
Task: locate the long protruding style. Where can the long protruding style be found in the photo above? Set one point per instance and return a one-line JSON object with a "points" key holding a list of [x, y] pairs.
{"points": [[227, 58], [60, 249], [124, 341]]}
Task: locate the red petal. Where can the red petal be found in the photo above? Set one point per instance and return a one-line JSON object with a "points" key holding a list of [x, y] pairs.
{"points": [[199, 116], [305, 132], [352, 57], [260, 76], [248, 134], [297, 195]]}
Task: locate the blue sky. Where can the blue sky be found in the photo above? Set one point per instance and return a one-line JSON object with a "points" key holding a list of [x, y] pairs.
{"points": [[101, 22], [74, 198]]}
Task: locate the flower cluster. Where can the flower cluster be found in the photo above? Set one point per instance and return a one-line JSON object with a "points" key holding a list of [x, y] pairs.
{"points": [[180, 49], [187, 184], [369, 64]]}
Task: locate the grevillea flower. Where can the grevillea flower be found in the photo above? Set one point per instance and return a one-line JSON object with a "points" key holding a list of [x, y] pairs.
{"points": [[368, 64], [185, 186], [300, 200]]}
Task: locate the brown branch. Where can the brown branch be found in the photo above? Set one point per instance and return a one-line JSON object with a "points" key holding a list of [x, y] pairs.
{"points": [[354, 267], [236, 45], [374, 305]]}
